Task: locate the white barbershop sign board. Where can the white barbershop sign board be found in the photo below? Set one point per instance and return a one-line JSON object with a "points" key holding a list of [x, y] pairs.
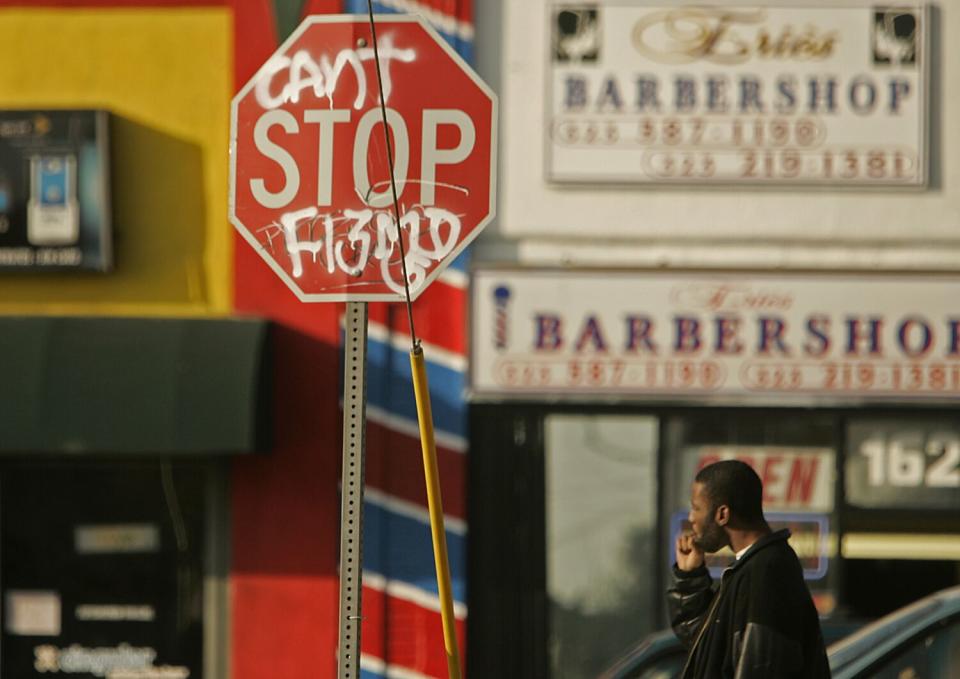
{"points": [[761, 339], [310, 185], [769, 93]]}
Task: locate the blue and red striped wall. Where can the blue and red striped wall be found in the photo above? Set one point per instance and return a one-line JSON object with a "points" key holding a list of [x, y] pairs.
{"points": [[399, 576], [401, 632]]}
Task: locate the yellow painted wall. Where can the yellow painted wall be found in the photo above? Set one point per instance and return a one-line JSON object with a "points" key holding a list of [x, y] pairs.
{"points": [[166, 75]]}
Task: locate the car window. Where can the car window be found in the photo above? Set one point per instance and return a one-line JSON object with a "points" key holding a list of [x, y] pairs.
{"points": [[932, 655], [845, 652]]}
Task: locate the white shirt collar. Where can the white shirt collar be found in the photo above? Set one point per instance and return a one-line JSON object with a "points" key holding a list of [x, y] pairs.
{"points": [[743, 551]]}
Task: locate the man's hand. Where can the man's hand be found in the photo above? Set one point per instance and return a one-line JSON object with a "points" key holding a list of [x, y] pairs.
{"points": [[689, 556]]}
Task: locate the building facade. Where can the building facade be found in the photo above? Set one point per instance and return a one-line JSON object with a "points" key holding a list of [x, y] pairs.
{"points": [[172, 434], [722, 232], [726, 230]]}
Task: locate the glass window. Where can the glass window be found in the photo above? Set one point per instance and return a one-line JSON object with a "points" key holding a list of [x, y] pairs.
{"points": [[601, 502], [101, 569]]}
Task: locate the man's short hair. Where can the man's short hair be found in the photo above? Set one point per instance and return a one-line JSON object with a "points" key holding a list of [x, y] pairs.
{"points": [[735, 484]]}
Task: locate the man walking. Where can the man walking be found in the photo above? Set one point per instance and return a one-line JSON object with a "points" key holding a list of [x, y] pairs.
{"points": [[760, 622]]}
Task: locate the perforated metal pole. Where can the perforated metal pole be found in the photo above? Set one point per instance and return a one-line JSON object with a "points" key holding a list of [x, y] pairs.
{"points": [[351, 502]]}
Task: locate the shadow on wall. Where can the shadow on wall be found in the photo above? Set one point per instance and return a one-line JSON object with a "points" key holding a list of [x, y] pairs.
{"points": [[286, 503], [159, 215], [284, 528]]}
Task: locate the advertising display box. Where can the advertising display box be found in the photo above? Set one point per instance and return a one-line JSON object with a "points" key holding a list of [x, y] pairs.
{"points": [[55, 190]]}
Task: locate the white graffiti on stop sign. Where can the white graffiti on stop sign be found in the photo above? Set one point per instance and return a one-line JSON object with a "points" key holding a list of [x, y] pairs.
{"points": [[321, 74], [354, 239]]}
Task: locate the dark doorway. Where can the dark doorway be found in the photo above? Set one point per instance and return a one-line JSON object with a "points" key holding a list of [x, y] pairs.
{"points": [[875, 587], [101, 567]]}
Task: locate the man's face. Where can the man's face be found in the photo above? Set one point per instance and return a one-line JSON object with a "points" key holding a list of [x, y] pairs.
{"points": [[707, 533]]}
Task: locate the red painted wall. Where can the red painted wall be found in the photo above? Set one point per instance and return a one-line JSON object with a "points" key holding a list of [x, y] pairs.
{"points": [[284, 532], [284, 590], [285, 505]]}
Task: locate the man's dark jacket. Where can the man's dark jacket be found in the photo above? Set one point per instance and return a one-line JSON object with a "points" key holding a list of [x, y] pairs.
{"points": [[761, 623]]}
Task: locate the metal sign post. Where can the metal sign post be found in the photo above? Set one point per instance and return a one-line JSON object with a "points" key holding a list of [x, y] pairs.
{"points": [[351, 485]]}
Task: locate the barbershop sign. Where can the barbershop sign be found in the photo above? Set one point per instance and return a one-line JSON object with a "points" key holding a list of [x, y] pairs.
{"points": [[765, 340], [738, 94]]}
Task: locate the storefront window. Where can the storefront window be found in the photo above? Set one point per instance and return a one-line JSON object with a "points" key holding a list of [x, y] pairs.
{"points": [[794, 456], [601, 502], [101, 569]]}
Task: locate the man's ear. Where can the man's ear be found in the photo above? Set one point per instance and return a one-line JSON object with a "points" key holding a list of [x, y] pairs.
{"points": [[722, 515]]}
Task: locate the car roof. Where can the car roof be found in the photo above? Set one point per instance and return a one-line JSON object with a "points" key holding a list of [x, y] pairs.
{"points": [[884, 635]]}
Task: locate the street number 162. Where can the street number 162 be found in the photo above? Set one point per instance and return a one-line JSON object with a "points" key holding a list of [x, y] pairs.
{"points": [[906, 460]]}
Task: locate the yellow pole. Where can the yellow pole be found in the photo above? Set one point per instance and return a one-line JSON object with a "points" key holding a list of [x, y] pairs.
{"points": [[427, 443]]}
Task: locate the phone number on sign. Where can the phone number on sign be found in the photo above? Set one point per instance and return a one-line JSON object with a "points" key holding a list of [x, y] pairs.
{"points": [[928, 378], [678, 149], [831, 164], [609, 373], [680, 132]]}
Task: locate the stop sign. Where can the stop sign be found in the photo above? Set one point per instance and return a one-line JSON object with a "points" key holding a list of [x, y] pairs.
{"points": [[309, 174]]}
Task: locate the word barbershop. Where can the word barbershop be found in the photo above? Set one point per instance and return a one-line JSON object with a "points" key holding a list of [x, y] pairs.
{"points": [[912, 337], [721, 94]]}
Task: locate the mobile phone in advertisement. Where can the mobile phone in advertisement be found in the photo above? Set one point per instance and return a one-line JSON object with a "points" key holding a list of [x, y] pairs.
{"points": [[52, 211]]}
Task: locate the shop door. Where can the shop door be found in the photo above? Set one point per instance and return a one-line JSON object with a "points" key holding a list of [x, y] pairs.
{"points": [[563, 540], [506, 588], [101, 570], [601, 523]]}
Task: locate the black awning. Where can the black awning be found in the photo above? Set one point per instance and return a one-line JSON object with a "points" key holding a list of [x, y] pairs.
{"points": [[132, 385]]}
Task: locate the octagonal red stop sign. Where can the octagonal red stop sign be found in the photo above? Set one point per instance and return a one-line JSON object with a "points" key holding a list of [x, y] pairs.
{"points": [[309, 172]]}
